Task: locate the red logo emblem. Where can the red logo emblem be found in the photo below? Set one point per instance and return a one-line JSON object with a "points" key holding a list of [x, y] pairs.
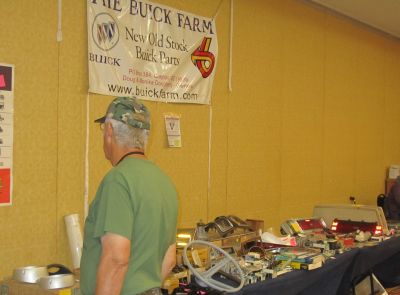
{"points": [[203, 59]]}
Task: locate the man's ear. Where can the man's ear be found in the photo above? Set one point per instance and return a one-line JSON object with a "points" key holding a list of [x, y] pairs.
{"points": [[108, 131]]}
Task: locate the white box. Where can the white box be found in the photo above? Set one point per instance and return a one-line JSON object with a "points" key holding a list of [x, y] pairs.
{"points": [[364, 287]]}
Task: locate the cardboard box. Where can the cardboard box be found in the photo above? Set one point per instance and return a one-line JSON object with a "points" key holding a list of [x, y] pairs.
{"points": [[12, 287]]}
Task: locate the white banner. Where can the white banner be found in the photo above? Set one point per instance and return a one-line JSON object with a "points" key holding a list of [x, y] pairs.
{"points": [[150, 51]]}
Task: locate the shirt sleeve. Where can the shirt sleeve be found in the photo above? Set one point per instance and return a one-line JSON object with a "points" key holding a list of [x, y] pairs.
{"points": [[115, 212]]}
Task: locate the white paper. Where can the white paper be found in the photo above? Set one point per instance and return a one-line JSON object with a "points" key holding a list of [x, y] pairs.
{"points": [[173, 128]]}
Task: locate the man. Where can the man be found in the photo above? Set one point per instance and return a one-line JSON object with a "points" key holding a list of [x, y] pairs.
{"points": [[392, 202], [129, 238]]}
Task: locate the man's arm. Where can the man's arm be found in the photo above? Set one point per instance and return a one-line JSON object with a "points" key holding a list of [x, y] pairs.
{"points": [[393, 208], [169, 261], [393, 201], [113, 264]]}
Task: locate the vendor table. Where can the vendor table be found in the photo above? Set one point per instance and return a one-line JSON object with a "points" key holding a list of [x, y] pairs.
{"points": [[339, 275]]}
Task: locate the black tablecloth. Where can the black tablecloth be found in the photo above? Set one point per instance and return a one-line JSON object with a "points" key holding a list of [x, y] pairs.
{"points": [[337, 275], [383, 260], [388, 272]]}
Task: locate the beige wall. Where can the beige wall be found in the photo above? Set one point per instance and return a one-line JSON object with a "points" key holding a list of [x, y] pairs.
{"points": [[313, 117]]}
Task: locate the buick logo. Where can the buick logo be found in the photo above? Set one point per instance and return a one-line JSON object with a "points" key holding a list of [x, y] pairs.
{"points": [[105, 31]]}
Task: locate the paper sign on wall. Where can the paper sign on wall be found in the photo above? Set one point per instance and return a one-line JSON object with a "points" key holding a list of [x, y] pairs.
{"points": [[173, 128], [6, 132]]}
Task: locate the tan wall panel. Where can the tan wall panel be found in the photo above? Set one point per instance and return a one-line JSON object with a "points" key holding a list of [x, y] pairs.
{"points": [[73, 85], [28, 227], [392, 103]]}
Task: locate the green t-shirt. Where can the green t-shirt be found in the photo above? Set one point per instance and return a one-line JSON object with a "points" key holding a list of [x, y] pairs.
{"points": [[138, 201]]}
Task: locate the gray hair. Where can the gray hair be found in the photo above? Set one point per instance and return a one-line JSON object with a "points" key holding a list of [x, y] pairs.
{"points": [[129, 136]]}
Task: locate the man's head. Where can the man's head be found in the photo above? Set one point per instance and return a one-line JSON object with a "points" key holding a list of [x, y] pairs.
{"points": [[129, 111], [127, 123]]}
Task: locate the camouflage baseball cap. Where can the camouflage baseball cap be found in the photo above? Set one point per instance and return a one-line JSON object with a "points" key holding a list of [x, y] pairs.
{"points": [[128, 110]]}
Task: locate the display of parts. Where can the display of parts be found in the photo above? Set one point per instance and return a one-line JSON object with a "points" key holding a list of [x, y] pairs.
{"points": [[53, 276], [30, 274], [56, 281]]}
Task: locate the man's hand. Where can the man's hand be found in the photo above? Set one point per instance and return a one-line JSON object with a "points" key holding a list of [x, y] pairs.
{"points": [[113, 264]]}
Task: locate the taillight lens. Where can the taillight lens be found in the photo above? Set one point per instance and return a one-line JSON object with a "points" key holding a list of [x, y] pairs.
{"points": [[378, 230]]}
